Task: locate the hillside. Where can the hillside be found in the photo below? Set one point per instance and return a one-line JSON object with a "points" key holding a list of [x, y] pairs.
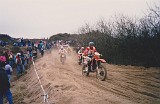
{"points": [[5, 38]]}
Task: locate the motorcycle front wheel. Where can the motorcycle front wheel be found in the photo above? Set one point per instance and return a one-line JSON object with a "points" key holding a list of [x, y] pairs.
{"points": [[101, 73]]}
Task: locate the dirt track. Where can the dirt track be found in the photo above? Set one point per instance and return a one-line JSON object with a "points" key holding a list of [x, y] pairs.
{"points": [[66, 85]]}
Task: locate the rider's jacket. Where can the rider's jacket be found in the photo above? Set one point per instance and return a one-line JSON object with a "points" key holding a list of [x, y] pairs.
{"points": [[89, 51], [62, 51], [40, 45]]}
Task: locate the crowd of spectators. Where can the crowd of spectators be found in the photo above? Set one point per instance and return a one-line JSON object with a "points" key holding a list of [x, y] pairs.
{"points": [[17, 62]]}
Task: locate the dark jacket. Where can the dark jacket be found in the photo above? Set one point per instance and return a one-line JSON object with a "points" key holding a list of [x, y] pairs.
{"points": [[4, 83]]}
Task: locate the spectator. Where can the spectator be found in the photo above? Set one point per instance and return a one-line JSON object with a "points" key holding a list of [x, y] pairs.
{"points": [[8, 70], [27, 57], [22, 42], [11, 58], [0, 42], [4, 86], [19, 64], [6, 55], [29, 43], [23, 61]]}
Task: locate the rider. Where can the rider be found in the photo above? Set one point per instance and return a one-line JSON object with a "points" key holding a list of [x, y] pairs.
{"points": [[69, 49], [89, 51], [81, 51], [80, 54], [62, 51]]}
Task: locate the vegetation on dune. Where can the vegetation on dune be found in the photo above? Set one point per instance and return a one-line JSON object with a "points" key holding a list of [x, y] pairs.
{"points": [[123, 40], [5, 38]]}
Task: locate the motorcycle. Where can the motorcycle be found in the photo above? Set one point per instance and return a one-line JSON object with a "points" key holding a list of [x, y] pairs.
{"points": [[94, 65], [69, 51], [62, 57]]}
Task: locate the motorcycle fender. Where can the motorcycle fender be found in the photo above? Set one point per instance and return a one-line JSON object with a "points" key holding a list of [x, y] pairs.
{"points": [[102, 60]]}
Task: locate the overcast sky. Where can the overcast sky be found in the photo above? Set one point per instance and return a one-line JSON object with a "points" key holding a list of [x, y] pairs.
{"points": [[43, 18]]}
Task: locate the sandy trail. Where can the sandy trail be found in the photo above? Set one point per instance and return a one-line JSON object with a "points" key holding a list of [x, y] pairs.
{"points": [[66, 85]]}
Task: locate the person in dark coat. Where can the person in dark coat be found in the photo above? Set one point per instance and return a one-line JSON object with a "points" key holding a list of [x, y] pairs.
{"points": [[4, 86]]}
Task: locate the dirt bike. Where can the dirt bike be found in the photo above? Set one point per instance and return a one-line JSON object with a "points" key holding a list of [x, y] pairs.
{"points": [[62, 58], [80, 59], [95, 66]]}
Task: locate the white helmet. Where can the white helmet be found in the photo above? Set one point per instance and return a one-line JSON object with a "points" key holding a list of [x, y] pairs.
{"points": [[82, 48]]}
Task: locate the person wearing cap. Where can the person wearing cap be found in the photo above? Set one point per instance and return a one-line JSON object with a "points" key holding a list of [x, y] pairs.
{"points": [[5, 53], [19, 64]]}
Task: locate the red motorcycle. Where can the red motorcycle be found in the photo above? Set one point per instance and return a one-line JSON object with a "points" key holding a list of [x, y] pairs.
{"points": [[94, 65]]}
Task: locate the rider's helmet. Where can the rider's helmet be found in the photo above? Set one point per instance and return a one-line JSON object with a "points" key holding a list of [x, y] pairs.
{"points": [[91, 44], [82, 48]]}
